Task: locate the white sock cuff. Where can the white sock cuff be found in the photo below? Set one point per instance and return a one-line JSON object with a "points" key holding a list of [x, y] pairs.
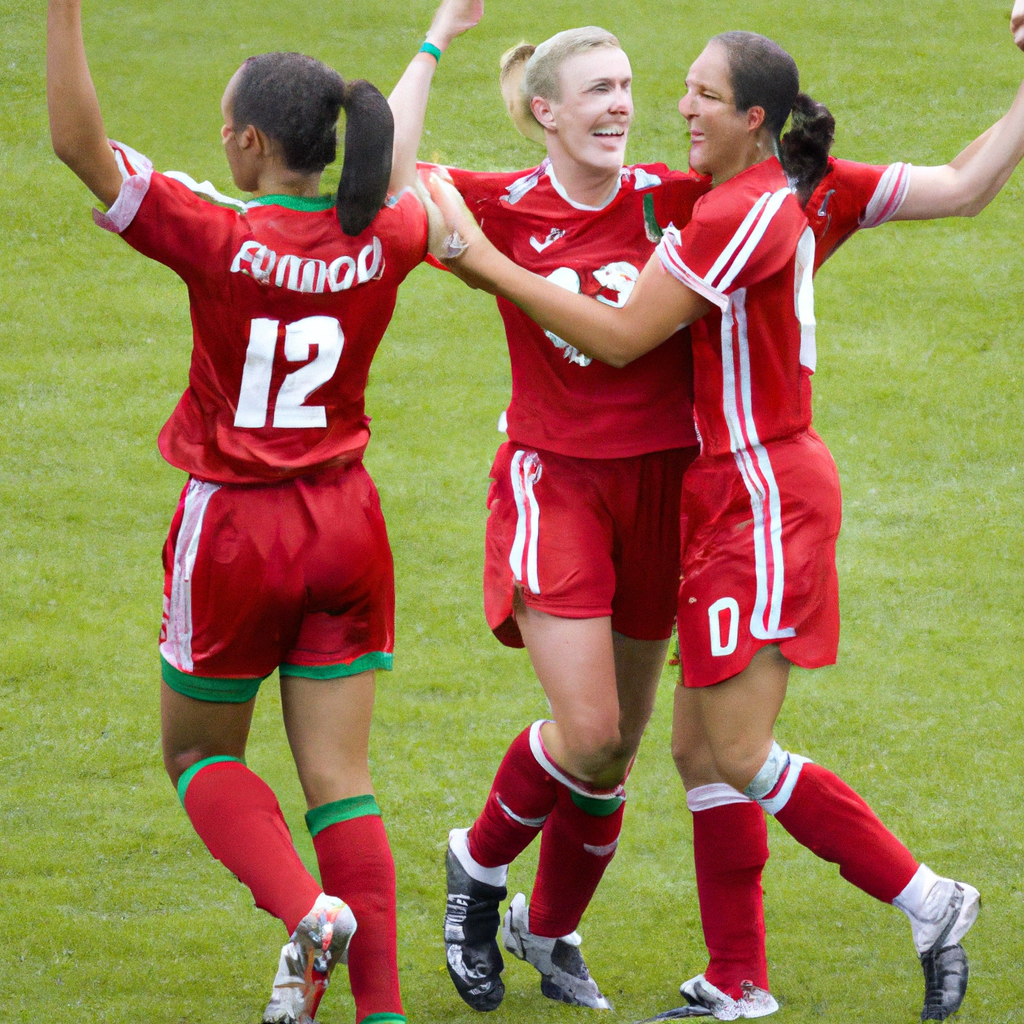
{"points": [[717, 794], [570, 782], [458, 843], [914, 896]]}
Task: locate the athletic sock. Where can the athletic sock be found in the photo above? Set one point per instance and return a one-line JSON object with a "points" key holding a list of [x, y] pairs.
{"points": [[730, 849], [824, 814], [356, 865], [238, 818], [522, 796], [577, 843]]}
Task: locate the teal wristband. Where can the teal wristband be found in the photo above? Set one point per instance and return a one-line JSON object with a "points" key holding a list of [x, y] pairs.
{"points": [[432, 50]]}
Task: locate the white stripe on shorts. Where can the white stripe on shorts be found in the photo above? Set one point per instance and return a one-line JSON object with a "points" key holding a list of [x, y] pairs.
{"points": [[525, 471], [177, 648]]}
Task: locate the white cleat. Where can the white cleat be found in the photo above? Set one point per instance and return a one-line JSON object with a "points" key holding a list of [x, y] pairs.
{"points": [[564, 974], [317, 945], [754, 1002]]}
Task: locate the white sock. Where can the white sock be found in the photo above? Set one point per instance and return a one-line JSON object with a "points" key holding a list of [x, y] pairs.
{"points": [[459, 843]]}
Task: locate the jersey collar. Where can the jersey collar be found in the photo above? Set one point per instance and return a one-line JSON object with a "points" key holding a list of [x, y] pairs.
{"points": [[306, 204], [560, 189]]}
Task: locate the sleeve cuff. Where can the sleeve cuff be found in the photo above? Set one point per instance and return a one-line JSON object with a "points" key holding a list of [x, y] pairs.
{"points": [[136, 172], [673, 263]]}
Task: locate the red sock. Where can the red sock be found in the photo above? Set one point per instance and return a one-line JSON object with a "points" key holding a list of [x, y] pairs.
{"points": [[830, 819], [356, 865], [237, 815], [730, 849], [527, 791], [575, 849]]}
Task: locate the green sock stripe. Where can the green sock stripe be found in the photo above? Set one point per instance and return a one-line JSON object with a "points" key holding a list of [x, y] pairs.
{"points": [[325, 815], [596, 807], [191, 773], [383, 1018]]}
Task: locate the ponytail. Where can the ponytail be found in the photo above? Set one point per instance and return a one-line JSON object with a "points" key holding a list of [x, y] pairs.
{"points": [[366, 172], [805, 147]]}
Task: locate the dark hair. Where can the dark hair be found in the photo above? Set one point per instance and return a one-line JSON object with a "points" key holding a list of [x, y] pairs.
{"points": [[295, 100], [805, 147], [763, 75]]}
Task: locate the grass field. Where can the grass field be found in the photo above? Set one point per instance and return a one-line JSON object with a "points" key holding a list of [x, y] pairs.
{"points": [[111, 909]]}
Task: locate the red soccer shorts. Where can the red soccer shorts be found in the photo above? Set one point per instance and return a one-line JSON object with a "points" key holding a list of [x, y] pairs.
{"points": [[759, 567], [296, 574], [584, 538]]}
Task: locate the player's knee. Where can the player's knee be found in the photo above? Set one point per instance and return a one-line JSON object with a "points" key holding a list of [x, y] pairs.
{"points": [[177, 762], [739, 761], [597, 750]]}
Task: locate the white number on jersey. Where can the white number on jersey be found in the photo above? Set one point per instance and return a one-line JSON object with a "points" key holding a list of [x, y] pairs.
{"points": [[299, 338]]}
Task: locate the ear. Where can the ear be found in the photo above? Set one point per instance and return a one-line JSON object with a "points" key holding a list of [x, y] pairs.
{"points": [[249, 138], [543, 112], [755, 118]]}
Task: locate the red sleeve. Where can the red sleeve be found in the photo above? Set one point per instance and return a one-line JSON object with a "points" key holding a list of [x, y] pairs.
{"points": [[403, 225], [179, 229], [734, 240]]}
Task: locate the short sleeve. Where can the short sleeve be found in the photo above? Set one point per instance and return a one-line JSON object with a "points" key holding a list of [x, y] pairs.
{"points": [[733, 241], [405, 240], [886, 197]]}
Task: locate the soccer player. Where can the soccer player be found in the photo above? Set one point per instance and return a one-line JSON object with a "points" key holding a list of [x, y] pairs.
{"points": [[582, 539], [277, 556], [761, 504]]}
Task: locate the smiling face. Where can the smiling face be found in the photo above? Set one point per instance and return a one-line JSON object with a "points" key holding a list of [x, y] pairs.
{"points": [[589, 123], [723, 140]]}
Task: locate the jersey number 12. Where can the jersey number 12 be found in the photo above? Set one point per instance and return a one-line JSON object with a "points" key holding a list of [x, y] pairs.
{"points": [[299, 337]]}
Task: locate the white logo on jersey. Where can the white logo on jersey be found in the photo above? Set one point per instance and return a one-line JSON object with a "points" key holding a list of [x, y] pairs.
{"points": [[301, 274], [618, 278], [570, 281], [644, 179], [553, 236]]}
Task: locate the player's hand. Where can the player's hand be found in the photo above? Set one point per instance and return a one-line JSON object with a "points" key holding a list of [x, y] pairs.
{"points": [[1017, 23], [452, 18], [461, 232]]}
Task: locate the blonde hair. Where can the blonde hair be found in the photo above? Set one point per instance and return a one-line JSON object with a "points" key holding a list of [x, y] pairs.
{"points": [[528, 71]]}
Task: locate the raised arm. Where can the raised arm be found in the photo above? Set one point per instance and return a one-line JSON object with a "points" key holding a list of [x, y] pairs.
{"points": [[408, 100], [657, 307], [969, 182], [76, 125]]}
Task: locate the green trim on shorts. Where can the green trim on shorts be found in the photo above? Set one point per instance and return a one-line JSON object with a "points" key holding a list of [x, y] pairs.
{"points": [[383, 1018], [373, 660], [326, 815], [597, 808], [189, 774], [217, 691]]}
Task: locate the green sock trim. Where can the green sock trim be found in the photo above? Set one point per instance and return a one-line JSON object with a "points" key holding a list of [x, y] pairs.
{"points": [[217, 691], [325, 815], [597, 808], [373, 660], [383, 1018], [188, 775]]}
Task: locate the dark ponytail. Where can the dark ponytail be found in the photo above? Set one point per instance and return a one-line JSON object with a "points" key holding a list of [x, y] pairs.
{"points": [[366, 172], [804, 149], [295, 100]]}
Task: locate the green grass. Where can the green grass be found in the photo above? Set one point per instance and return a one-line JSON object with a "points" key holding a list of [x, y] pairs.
{"points": [[111, 910]]}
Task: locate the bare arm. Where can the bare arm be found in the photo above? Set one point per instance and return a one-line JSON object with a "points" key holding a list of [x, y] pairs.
{"points": [[76, 125], [969, 182], [657, 307], [408, 99]]}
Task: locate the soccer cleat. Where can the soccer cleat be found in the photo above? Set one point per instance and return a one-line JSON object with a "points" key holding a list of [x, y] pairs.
{"points": [[564, 975], [471, 920], [754, 1002], [307, 959], [944, 962]]}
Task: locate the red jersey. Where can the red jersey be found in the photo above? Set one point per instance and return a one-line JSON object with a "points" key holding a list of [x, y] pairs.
{"points": [[852, 196], [287, 312], [562, 401], [748, 251]]}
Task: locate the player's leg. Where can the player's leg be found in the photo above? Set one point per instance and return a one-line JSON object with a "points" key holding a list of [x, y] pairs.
{"points": [[328, 726], [232, 809], [730, 849], [824, 814], [230, 612]]}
